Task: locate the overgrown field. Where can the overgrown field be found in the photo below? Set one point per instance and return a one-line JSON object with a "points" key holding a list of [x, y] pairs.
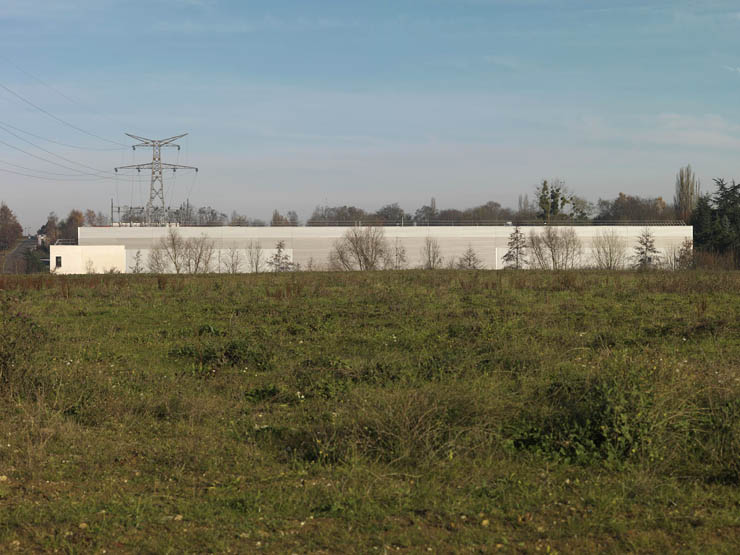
{"points": [[369, 412]]}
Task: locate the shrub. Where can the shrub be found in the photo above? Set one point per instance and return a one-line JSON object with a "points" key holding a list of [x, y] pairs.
{"points": [[580, 419]]}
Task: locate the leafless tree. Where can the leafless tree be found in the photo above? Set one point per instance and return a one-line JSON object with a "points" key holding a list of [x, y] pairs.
{"points": [[469, 260], [555, 248], [192, 256], [311, 266], [609, 250], [431, 256], [157, 262], [688, 189], [360, 248], [198, 255], [679, 257], [395, 256], [232, 260], [255, 256], [169, 252]]}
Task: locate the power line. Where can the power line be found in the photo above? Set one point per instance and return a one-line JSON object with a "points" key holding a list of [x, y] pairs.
{"points": [[52, 162], [46, 178], [59, 142], [41, 171], [60, 120], [49, 152], [53, 88]]}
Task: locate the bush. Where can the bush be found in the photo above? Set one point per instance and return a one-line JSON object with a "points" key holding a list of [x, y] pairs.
{"points": [[580, 419]]}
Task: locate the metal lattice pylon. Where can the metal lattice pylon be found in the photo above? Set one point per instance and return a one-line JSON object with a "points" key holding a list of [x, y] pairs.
{"points": [[156, 187]]}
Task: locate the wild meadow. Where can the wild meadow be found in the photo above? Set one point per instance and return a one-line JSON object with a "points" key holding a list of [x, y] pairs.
{"points": [[411, 411]]}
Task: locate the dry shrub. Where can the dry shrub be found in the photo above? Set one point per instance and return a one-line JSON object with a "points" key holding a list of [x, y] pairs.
{"points": [[555, 249], [609, 251], [407, 428], [360, 248], [715, 261]]}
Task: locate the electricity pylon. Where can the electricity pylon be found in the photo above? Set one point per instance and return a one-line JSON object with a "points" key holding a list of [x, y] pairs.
{"points": [[156, 188]]}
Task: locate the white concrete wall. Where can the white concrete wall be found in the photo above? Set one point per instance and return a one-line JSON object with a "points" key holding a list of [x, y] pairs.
{"points": [[222, 261], [87, 259], [312, 245]]}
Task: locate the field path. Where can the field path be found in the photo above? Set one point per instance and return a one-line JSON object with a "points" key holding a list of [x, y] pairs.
{"points": [[17, 254]]}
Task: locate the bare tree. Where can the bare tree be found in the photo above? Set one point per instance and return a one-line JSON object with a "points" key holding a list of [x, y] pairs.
{"points": [[679, 257], [395, 256], [311, 266], [469, 260], [687, 193], [555, 249], [168, 252], [232, 262], [360, 248], [431, 254], [157, 261], [609, 250], [255, 256], [516, 255], [198, 255]]}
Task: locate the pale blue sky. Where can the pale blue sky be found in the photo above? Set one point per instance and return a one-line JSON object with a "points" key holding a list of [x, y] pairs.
{"points": [[290, 104]]}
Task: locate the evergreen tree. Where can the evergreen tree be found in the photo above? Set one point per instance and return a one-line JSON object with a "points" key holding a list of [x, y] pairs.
{"points": [[646, 255], [280, 261], [516, 256], [701, 220], [469, 260]]}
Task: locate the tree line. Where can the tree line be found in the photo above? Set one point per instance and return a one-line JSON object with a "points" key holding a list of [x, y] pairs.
{"points": [[552, 202], [715, 215]]}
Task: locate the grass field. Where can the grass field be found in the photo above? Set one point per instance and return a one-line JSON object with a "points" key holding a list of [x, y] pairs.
{"points": [[413, 411]]}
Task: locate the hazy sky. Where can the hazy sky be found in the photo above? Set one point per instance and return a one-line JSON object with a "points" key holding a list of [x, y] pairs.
{"points": [[290, 104]]}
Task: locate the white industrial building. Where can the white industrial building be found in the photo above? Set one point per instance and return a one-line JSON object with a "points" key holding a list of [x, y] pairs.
{"points": [[117, 248]]}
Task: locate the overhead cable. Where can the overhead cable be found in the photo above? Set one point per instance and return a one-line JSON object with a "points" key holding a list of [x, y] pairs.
{"points": [[60, 120], [53, 88], [36, 170], [68, 145], [52, 161], [47, 178], [50, 153]]}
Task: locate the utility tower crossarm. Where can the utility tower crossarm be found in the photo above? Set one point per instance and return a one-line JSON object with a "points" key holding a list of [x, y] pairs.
{"points": [[156, 188], [161, 142]]}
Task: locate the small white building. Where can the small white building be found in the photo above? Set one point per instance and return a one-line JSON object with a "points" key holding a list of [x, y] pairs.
{"points": [[87, 259]]}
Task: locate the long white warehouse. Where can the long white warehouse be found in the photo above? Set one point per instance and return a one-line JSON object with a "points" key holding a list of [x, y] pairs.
{"points": [[99, 247]]}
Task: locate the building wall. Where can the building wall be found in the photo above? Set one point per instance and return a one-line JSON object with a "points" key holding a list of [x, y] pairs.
{"points": [[310, 246], [87, 259]]}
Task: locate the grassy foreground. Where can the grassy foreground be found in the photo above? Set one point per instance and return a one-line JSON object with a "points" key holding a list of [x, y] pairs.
{"points": [[414, 411]]}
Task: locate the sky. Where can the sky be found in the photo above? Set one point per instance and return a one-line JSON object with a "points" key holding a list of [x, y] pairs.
{"points": [[291, 104]]}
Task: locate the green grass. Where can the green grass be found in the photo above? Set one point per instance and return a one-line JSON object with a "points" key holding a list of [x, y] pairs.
{"points": [[361, 412]]}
